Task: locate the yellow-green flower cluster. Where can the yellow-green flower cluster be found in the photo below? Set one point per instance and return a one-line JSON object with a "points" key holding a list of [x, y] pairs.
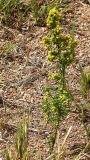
{"points": [[51, 57], [63, 99], [46, 41], [55, 76], [53, 18], [60, 46]]}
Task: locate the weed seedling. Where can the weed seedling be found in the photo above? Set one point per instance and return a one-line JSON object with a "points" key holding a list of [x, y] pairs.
{"points": [[20, 145], [61, 50]]}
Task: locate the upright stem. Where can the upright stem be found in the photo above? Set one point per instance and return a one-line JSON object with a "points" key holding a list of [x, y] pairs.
{"points": [[61, 66], [63, 76]]}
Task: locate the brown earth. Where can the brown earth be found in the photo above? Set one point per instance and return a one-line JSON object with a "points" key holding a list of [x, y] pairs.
{"points": [[23, 76]]}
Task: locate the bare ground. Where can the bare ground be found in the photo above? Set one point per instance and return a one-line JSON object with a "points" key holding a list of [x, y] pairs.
{"points": [[22, 83]]}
